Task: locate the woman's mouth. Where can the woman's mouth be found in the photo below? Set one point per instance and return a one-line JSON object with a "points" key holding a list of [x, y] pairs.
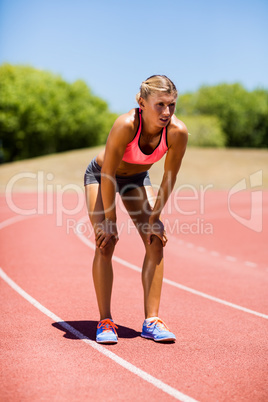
{"points": [[164, 119]]}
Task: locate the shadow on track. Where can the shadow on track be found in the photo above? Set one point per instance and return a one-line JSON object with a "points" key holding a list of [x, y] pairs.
{"points": [[88, 330]]}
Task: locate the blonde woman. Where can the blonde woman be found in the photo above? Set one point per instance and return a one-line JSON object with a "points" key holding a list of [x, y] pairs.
{"points": [[136, 141]]}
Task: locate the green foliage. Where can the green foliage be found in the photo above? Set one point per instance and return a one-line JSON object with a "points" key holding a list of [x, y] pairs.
{"points": [[243, 115], [40, 113], [205, 131]]}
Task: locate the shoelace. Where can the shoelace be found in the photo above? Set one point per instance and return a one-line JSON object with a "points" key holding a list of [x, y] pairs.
{"points": [[107, 325], [159, 323]]}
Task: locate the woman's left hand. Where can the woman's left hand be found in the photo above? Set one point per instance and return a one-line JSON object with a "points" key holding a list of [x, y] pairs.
{"points": [[157, 229]]}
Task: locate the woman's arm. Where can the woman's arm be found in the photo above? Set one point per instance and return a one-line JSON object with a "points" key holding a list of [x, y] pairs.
{"points": [[120, 135], [178, 137]]}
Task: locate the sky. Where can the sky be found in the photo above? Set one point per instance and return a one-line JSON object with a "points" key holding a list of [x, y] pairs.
{"points": [[114, 45]]}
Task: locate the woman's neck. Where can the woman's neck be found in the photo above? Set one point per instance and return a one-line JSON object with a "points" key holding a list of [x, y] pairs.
{"points": [[149, 130]]}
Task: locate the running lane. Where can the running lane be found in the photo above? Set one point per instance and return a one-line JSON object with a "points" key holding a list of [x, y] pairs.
{"points": [[220, 353]]}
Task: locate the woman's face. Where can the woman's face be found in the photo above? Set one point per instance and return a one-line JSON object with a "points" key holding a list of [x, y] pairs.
{"points": [[159, 108]]}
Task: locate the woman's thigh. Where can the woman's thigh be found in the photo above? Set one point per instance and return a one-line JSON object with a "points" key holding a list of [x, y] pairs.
{"points": [[139, 202], [94, 203]]}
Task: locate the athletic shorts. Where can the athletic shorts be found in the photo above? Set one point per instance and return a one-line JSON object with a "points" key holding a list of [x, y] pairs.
{"points": [[123, 183]]}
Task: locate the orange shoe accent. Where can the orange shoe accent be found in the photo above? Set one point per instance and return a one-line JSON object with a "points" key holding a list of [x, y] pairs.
{"points": [[107, 325], [159, 323]]}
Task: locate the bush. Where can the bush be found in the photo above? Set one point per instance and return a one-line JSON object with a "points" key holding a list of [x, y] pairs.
{"points": [[205, 131], [243, 115], [40, 113]]}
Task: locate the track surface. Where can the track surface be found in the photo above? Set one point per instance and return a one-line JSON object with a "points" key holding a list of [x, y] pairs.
{"points": [[221, 350]]}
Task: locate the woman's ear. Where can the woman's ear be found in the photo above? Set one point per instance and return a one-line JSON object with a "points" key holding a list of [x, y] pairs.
{"points": [[141, 103]]}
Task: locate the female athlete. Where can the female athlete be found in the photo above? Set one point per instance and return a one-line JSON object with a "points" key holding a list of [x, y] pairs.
{"points": [[136, 141]]}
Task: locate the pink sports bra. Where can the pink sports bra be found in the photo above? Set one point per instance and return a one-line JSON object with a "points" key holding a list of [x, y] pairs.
{"points": [[134, 154]]}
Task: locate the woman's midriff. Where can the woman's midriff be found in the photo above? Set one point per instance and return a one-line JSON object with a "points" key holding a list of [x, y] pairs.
{"points": [[128, 169], [125, 169]]}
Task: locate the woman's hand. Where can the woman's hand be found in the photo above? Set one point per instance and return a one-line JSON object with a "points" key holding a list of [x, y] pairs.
{"points": [[104, 232], [156, 228]]}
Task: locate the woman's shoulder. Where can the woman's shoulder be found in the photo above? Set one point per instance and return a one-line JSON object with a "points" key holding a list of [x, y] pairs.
{"points": [[177, 125], [177, 131], [127, 121], [123, 129]]}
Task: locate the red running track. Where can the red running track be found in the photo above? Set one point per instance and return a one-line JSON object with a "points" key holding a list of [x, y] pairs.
{"points": [[214, 298]]}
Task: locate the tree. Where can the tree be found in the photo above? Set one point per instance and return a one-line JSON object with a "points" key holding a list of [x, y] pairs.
{"points": [[40, 113], [243, 115], [204, 131]]}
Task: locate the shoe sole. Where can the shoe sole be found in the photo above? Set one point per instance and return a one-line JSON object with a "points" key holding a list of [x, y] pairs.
{"points": [[107, 342], [159, 340]]}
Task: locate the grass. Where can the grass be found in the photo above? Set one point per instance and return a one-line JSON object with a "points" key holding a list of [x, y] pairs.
{"points": [[219, 167]]}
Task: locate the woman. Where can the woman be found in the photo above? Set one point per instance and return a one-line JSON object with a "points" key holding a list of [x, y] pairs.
{"points": [[136, 141]]}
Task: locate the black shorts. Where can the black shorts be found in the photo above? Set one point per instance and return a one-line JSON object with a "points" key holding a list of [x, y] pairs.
{"points": [[123, 183]]}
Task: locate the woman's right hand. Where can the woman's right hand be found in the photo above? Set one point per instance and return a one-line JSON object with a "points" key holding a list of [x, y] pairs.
{"points": [[104, 232], [157, 229]]}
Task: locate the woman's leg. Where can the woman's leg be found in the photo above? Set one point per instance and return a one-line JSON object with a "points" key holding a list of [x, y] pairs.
{"points": [[137, 203], [102, 263]]}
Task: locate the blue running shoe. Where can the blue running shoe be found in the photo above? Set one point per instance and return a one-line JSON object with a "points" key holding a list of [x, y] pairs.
{"points": [[106, 331], [157, 330]]}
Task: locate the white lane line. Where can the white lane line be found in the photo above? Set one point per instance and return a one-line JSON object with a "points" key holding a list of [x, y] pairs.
{"points": [[175, 284], [14, 219], [230, 258], [189, 245], [214, 253], [250, 264], [124, 363], [201, 249]]}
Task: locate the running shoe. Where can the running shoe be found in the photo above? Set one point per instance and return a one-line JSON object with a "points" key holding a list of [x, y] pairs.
{"points": [[106, 331], [157, 330]]}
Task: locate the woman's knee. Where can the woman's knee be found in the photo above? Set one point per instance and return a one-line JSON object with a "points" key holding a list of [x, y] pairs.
{"points": [[107, 251], [155, 249]]}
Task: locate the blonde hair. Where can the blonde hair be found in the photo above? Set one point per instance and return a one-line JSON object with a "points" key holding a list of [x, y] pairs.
{"points": [[156, 84]]}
